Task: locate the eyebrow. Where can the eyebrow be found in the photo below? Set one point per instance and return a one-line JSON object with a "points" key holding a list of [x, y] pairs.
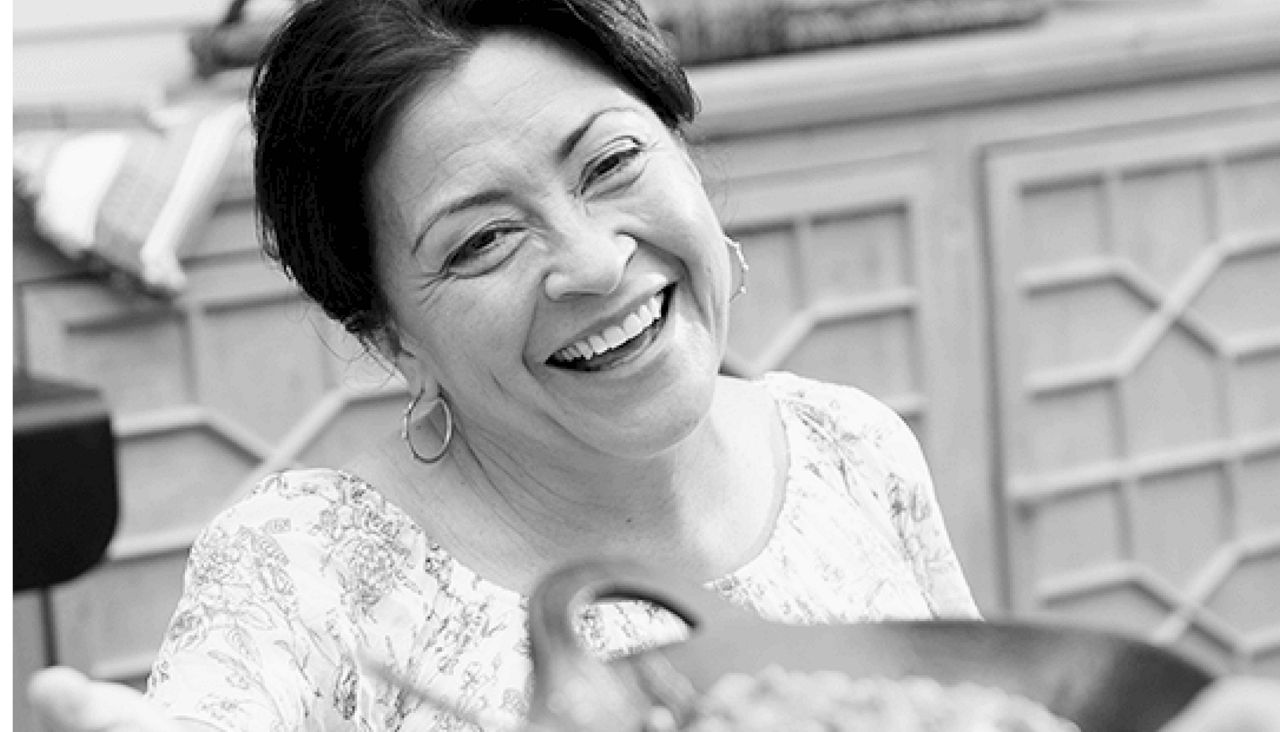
{"points": [[482, 198], [576, 134]]}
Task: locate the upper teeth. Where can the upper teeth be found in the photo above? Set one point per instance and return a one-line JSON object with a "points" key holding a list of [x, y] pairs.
{"points": [[615, 335]]}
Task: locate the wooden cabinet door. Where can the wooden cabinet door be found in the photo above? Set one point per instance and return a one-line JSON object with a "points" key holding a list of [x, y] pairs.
{"points": [[1136, 283]]}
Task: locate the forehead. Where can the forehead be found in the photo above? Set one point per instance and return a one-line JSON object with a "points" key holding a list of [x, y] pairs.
{"points": [[513, 93]]}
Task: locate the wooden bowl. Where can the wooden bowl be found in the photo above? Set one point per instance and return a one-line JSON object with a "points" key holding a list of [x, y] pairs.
{"points": [[1104, 682]]}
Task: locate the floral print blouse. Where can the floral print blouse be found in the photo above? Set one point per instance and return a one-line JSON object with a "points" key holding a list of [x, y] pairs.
{"points": [[295, 594]]}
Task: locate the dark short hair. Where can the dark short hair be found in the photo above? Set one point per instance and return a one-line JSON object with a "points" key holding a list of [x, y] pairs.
{"points": [[338, 73]]}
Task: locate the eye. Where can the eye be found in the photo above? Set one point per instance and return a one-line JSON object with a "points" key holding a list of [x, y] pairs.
{"points": [[484, 251], [618, 163]]}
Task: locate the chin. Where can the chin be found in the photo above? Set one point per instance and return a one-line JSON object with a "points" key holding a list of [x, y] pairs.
{"points": [[659, 427]]}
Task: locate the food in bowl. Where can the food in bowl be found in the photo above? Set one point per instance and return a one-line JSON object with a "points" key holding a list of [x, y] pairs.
{"points": [[822, 701]]}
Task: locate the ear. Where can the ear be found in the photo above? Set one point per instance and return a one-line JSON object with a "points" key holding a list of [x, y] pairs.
{"points": [[407, 358]]}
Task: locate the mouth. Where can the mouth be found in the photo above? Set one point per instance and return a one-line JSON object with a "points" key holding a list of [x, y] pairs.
{"points": [[617, 343]]}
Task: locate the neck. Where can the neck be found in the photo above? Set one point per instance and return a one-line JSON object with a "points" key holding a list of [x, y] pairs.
{"points": [[586, 492], [702, 507]]}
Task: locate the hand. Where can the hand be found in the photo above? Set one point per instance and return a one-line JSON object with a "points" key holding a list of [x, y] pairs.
{"points": [[68, 701], [1232, 704]]}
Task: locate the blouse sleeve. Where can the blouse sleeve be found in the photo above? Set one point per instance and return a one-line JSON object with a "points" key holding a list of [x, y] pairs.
{"points": [[876, 441], [913, 507], [236, 654]]}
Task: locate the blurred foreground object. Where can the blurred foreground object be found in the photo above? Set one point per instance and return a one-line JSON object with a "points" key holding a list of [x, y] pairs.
{"points": [[703, 31], [1099, 680]]}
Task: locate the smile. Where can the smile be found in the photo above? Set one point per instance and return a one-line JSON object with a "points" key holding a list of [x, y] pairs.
{"points": [[614, 343]]}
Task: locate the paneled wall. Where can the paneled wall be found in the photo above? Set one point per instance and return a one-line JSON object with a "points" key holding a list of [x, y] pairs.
{"points": [[837, 257], [1058, 255]]}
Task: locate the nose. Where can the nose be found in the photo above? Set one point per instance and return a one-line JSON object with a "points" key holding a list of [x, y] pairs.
{"points": [[588, 261]]}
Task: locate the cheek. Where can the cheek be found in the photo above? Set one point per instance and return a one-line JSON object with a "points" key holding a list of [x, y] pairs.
{"points": [[475, 328], [675, 203], [699, 240]]}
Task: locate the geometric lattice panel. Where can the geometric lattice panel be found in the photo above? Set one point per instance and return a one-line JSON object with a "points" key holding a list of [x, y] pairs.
{"points": [[1137, 293], [835, 287]]}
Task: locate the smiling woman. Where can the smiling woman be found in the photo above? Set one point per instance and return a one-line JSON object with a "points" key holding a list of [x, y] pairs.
{"points": [[496, 196], [556, 206]]}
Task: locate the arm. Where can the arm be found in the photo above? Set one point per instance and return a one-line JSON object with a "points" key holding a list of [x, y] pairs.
{"points": [[917, 516], [240, 652]]}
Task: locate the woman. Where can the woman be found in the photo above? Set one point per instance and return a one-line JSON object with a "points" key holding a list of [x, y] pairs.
{"points": [[496, 196]]}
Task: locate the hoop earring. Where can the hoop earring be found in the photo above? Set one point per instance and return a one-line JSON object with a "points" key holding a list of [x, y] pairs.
{"points": [[743, 267], [448, 428]]}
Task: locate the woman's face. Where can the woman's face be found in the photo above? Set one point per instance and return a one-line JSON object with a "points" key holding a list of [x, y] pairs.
{"points": [[552, 263]]}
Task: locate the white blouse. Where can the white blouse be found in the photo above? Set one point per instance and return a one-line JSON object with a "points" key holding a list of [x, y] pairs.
{"points": [[296, 592]]}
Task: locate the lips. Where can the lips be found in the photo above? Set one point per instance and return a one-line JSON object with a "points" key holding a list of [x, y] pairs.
{"points": [[630, 334]]}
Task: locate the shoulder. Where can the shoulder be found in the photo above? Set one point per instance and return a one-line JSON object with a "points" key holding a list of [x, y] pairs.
{"points": [[301, 517], [850, 428], [840, 409], [307, 495]]}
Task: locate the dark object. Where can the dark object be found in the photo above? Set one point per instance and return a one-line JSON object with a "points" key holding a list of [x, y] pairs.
{"points": [[1101, 681], [234, 42], [65, 504]]}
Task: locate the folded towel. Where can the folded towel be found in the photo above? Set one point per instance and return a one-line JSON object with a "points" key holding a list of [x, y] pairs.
{"points": [[128, 200]]}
